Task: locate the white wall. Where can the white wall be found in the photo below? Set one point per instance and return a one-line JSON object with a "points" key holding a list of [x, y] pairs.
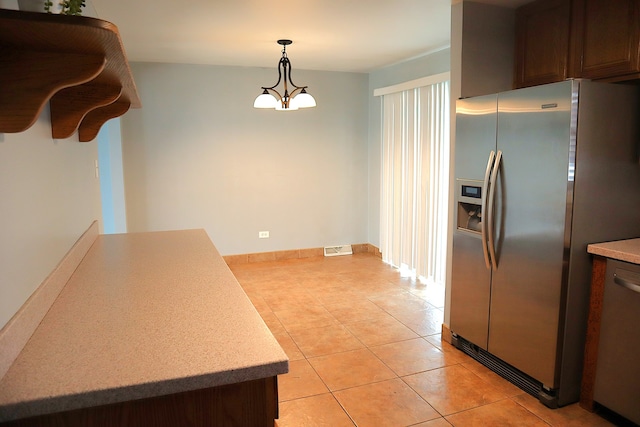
{"points": [[48, 197], [198, 155]]}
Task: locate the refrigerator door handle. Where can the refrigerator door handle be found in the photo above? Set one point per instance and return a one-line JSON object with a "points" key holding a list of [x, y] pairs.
{"points": [[483, 223], [490, 207]]}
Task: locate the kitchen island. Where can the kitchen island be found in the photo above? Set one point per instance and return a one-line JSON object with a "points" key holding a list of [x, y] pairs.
{"points": [[151, 329]]}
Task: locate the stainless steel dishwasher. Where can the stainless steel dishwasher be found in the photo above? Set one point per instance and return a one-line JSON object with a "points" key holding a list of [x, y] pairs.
{"points": [[617, 384]]}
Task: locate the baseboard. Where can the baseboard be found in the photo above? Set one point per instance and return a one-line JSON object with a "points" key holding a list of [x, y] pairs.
{"points": [[373, 250], [15, 334], [294, 254], [446, 333]]}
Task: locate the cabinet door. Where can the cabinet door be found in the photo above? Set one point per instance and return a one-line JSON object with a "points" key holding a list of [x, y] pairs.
{"points": [[542, 42], [608, 36]]}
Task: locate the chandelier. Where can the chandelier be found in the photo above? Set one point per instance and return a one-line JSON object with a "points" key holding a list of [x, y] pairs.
{"points": [[271, 98]]}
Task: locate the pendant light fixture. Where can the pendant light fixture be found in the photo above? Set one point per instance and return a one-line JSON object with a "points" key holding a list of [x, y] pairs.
{"points": [[271, 98]]}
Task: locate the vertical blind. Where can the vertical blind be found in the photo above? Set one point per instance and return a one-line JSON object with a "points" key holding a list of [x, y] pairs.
{"points": [[415, 178]]}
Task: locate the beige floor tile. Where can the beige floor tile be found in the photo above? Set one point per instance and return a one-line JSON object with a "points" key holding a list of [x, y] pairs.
{"points": [[368, 270], [354, 296], [266, 282], [386, 292], [502, 413], [411, 356], [315, 411], [300, 381], [381, 330], [321, 285], [452, 354], [355, 310], [436, 339], [260, 304], [289, 346], [438, 422], [499, 384], [324, 340], [372, 285], [272, 322], [337, 295], [350, 369], [432, 293], [301, 317], [387, 403], [423, 322], [400, 302], [286, 299], [567, 416], [453, 389]]}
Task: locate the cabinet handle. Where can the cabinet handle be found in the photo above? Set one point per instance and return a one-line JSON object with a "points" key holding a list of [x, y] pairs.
{"points": [[626, 283]]}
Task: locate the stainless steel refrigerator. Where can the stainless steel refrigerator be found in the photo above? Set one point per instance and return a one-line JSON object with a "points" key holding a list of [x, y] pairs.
{"points": [[540, 173]]}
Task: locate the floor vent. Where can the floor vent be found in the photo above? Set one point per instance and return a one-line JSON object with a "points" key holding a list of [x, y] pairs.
{"points": [[337, 250], [508, 372]]}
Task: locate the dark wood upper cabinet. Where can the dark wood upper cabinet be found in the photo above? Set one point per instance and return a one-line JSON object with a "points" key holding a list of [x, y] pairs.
{"points": [[542, 42], [607, 39], [592, 39]]}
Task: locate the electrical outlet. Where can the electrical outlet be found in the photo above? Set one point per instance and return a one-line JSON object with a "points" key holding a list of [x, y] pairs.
{"points": [[263, 234]]}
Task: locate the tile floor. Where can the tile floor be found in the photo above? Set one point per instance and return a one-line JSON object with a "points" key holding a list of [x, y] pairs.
{"points": [[365, 350]]}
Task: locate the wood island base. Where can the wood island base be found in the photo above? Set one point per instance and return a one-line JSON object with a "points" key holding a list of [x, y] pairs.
{"points": [[247, 404]]}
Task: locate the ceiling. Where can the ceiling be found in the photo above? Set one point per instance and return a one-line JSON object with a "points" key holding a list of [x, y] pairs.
{"points": [[333, 35]]}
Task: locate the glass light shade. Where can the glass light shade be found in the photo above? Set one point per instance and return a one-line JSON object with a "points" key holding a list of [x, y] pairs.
{"points": [[292, 106], [265, 100], [304, 100]]}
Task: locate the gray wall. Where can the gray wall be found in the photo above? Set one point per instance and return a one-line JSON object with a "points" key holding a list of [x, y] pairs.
{"points": [[198, 155], [435, 63], [109, 139], [49, 196]]}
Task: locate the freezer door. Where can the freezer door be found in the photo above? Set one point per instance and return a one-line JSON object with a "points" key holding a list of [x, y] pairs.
{"points": [[536, 134], [470, 280]]}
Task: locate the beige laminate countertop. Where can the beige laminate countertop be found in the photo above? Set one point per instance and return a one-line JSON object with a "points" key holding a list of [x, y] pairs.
{"points": [[144, 315], [621, 250]]}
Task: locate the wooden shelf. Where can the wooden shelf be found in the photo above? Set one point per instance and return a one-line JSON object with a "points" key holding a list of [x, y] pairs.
{"points": [[77, 63]]}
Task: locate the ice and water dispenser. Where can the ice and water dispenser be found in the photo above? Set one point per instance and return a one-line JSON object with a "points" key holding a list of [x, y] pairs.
{"points": [[469, 197]]}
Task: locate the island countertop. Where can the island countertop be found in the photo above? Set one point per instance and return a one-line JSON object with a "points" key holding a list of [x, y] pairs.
{"points": [[621, 250], [144, 315]]}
